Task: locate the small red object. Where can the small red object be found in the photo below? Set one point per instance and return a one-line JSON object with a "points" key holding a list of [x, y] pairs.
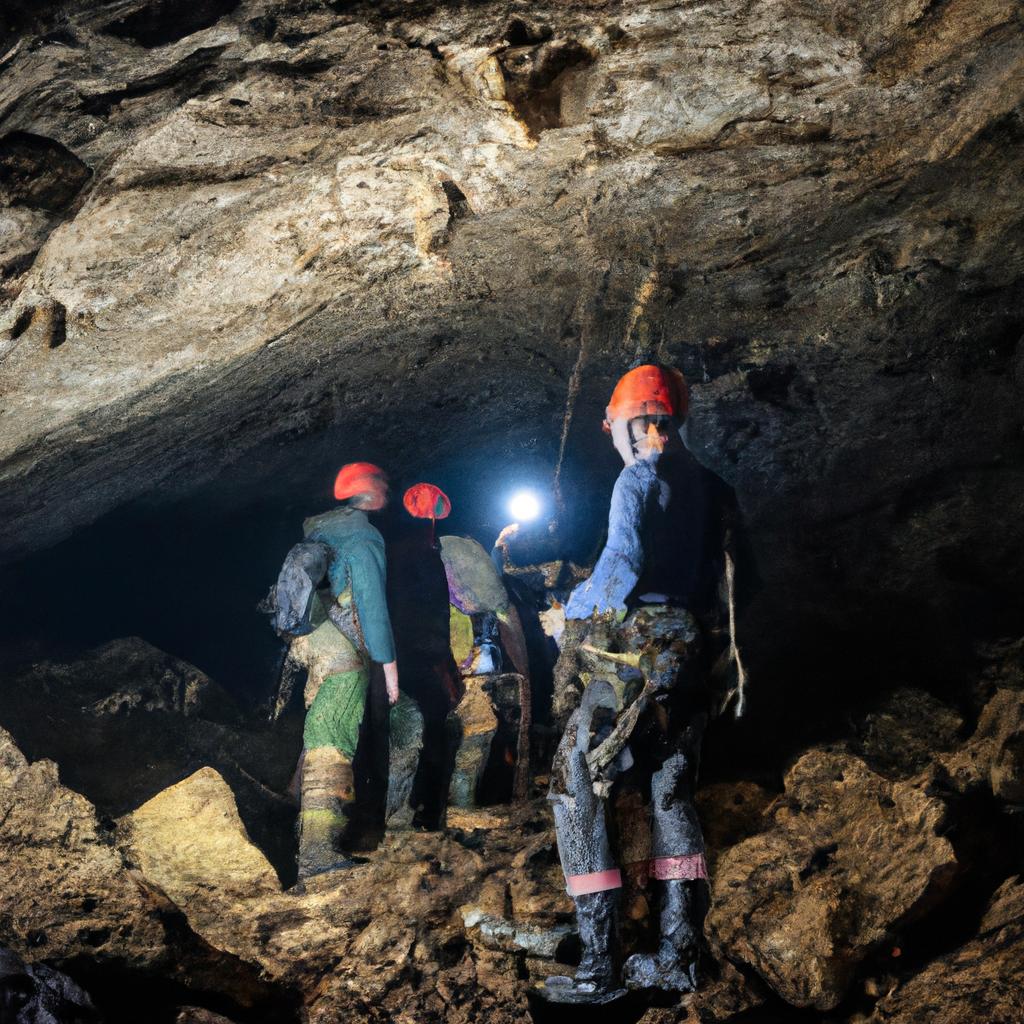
{"points": [[426, 501]]}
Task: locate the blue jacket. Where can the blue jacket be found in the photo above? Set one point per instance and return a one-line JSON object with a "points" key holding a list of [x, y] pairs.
{"points": [[664, 540]]}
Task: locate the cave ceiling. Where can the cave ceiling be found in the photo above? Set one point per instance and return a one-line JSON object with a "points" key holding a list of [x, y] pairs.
{"points": [[230, 230]]}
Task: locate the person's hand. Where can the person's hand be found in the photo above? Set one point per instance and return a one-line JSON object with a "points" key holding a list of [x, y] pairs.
{"points": [[391, 681]]}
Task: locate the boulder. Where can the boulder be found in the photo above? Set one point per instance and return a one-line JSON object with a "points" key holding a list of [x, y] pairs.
{"points": [[64, 888], [906, 732], [847, 855], [127, 720], [190, 838], [67, 896], [994, 755], [983, 981]]}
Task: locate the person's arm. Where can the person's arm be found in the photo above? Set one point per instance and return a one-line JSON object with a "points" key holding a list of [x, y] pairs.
{"points": [[622, 561], [368, 570]]}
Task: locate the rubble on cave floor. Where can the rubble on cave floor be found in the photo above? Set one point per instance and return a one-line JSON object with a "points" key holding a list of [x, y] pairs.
{"points": [[867, 888]]}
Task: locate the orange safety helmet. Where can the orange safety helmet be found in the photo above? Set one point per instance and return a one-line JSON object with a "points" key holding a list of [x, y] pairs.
{"points": [[426, 501], [648, 391], [361, 478]]}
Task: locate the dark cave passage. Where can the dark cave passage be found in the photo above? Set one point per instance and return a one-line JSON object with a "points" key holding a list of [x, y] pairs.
{"points": [[186, 573]]}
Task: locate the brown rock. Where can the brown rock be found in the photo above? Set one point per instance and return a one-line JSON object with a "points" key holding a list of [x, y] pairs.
{"points": [[127, 720], [64, 889], [189, 840], [66, 894], [994, 755], [846, 856], [905, 734], [815, 206], [730, 812], [982, 981]]}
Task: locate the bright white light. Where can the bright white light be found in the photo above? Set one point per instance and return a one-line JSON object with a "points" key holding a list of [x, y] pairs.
{"points": [[524, 506]]}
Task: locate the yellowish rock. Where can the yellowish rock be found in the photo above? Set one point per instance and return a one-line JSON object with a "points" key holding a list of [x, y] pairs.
{"points": [[190, 840]]}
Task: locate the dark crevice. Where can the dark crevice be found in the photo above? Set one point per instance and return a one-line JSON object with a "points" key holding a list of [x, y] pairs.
{"points": [[522, 33], [432, 48], [58, 326], [101, 103], [39, 172], [535, 77], [458, 204], [21, 324], [16, 266], [224, 985], [62, 36], [160, 22]]}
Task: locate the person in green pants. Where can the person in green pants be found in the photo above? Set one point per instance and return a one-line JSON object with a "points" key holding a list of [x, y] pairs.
{"points": [[337, 632]]}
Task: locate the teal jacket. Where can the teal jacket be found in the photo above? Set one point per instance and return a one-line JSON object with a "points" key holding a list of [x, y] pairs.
{"points": [[358, 559]]}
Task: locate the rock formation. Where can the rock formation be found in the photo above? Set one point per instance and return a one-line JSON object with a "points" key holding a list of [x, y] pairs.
{"points": [[847, 856], [238, 237], [812, 892]]}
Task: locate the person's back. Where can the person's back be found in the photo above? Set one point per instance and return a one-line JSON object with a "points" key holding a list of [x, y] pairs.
{"points": [[341, 634], [681, 532]]}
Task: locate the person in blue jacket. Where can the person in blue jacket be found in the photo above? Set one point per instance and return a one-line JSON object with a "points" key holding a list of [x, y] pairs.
{"points": [[634, 634]]}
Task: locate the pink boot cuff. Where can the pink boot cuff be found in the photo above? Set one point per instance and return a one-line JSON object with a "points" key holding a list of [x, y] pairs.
{"points": [[596, 881]]}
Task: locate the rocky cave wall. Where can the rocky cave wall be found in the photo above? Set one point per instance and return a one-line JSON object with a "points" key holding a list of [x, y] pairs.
{"points": [[244, 240]]}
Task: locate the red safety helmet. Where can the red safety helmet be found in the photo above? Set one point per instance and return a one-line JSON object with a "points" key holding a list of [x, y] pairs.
{"points": [[426, 501], [648, 391], [362, 478]]}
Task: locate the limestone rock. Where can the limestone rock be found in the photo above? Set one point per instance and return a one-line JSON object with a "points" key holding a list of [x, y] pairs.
{"points": [[67, 897], [251, 224], [127, 676], [994, 755], [64, 890], [127, 720], [190, 837], [847, 855], [906, 733], [981, 981]]}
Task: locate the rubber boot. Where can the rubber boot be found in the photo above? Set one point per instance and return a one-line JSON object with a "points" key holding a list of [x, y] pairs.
{"points": [[674, 967], [597, 977], [328, 788]]}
